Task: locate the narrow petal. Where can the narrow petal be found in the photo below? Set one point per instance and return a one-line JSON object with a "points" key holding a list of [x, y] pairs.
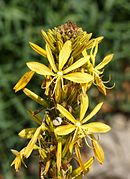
{"points": [[45, 36], [77, 172], [98, 151], [64, 54], [35, 97], [78, 77], [90, 43], [27, 133], [39, 68], [78, 154], [66, 113], [64, 129], [94, 111], [58, 155], [84, 105], [24, 80], [76, 65], [32, 142], [38, 49], [51, 58], [95, 127], [104, 62], [101, 87]]}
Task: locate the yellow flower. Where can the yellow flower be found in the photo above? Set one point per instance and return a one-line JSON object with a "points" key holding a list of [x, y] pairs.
{"points": [[97, 70], [79, 125], [58, 72], [18, 159]]}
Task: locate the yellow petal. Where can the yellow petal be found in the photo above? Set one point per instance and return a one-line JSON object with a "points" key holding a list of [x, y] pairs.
{"points": [[94, 111], [101, 87], [64, 129], [39, 68], [30, 146], [78, 154], [24, 80], [95, 127], [66, 146], [64, 54], [79, 170], [42, 153], [58, 155], [92, 41], [58, 90], [99, 154], [35, 97], [47, 166], [84, 105], [38, 49], [45, 36], [76, 65], [105, 61], [51, 58], [66, 113], [27, 133], [18, 159], [78, 77]]}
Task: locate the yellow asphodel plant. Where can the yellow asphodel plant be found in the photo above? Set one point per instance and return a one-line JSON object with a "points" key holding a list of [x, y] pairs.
{"points": [[63, 125]]}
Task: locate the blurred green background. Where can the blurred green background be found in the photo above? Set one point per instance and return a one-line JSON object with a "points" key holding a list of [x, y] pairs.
{"points": [[21, 22]]}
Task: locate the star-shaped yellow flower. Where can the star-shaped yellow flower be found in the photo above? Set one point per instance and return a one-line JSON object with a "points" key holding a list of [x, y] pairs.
{"points": [[79, 125], [58, 71], [96, 70]]}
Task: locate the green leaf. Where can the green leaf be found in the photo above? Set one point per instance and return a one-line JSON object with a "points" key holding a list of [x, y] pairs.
{"points": [[64, 54], [78, 77], [84, 105], [96, 127], [51, 58], [94, 111], [64, 129], [35, 97], [24, 80], [66, 113], [38, 49], [76, 65], [39, 68], [105, 61]]}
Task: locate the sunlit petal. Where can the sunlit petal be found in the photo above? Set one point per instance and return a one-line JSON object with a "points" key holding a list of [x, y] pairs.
{"points": [[94, 111], [84, 105], [104, 62], [76, 65], [78, 77], [38, 49], [64, 54], [39, 68], [64, 129], [66, 113], [96, 127], [50, 58], [24, 80], [35, 97]]}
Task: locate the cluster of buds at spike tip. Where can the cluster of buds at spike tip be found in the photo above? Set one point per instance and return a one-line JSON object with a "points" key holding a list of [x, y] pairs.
{"points": [[71, 71]]}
